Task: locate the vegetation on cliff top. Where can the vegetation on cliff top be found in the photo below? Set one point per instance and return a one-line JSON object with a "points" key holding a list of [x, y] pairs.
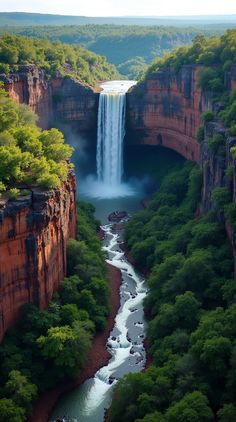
{"points": [[216, 54], [130, 47], [75, 61], [192, 310], [28, 155], [49, 346]]}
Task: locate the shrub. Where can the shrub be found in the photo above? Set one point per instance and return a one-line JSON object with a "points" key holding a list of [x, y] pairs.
{"points": [[208, 116], [232, 130], [233, 152], [49, 181], [229, 172], [13, 193], [221, 197], [230, 213], [200, 134], [215, 142], [208, 79], [4, 68]]}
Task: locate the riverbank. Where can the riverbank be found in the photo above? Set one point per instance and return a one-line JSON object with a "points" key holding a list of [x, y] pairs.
{"points": [[97, 357]]}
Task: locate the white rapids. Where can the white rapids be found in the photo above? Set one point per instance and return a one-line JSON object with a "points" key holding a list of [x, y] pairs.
{"points": [[87, 403]]}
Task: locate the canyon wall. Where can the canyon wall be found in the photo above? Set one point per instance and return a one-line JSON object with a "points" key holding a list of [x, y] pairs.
{"points": [[30, 86], [218, 168], [74, 104], [33, 235], [56, 101], [165, 109]]}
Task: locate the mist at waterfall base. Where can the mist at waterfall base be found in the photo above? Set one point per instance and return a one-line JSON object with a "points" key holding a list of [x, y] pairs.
{"points": [[100, 174]]}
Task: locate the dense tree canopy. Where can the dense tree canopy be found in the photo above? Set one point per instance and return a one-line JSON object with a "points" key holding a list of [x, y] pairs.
{"points": [[192, 310], [75, 60], [130, 47], [216, 54]]}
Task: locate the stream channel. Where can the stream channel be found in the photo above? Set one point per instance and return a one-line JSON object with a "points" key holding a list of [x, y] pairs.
{"points": [[88, 402]]}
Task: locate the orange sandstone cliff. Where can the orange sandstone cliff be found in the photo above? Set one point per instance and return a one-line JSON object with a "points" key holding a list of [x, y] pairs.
{"points": [[56, 100], [165, 110], [33, 235]]}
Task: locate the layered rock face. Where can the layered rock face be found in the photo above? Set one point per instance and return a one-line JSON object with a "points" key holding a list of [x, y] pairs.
{"points": [[214, 168], [75, 103], [166, 110], [30, 86], [33, 235], [58, 100]]}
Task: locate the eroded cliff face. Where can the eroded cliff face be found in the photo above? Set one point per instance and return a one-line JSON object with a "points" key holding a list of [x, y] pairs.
{"points": [[30, 86], [214, 166], [57, 100], [166, 110], [33, 235], [75, 103]]}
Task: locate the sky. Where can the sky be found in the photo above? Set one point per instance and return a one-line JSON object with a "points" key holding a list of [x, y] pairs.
{"points": [[121, 7]]}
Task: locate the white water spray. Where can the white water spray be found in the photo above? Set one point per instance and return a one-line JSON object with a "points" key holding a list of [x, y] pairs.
{"points": [[111, 132]]}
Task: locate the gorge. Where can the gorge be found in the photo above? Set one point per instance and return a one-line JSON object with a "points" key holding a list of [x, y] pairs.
{"points": [[166, 109]]}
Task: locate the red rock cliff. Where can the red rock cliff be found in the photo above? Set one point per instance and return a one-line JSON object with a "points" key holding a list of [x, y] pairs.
{"points": [[166, 110], [56, 100], [33, 235], [30, 86]]}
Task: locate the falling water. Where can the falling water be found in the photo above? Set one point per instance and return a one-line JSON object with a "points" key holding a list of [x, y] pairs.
{"points": [[111, 131]]}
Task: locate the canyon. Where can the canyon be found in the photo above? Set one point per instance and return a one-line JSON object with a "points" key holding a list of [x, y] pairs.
{"points": [[165, 110]]}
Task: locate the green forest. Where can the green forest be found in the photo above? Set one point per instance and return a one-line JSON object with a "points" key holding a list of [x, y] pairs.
{"points": [[74, 61], [130, 47], [191, 310], [216, 54], [49, 346]]}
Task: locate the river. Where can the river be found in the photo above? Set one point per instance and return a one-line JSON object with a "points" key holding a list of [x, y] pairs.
{"points": [[125, 343], [142, 170]]}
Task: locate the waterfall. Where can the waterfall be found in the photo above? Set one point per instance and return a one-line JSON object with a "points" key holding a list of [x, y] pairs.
{"points": [[111, 132], [108, 181]]}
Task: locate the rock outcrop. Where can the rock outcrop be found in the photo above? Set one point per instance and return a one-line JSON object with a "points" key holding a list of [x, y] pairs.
{"points": [[55, 100], [165, 109], [30, 86], [33, 235], [74, 103]]}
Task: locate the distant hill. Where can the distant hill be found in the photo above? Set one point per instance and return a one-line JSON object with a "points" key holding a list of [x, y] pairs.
{"points": [[30, 19], [131, 43]]}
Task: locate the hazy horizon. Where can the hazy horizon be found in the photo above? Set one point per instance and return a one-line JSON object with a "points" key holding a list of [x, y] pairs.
{"points": [[123, 8], [128, 16]]}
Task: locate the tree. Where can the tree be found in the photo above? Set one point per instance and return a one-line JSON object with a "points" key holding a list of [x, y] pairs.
{"points": [[21, 391], [216, 353], [69, 314], [193, 407], [10, 412], [227, 413], [152, 417], [66, 347]]}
